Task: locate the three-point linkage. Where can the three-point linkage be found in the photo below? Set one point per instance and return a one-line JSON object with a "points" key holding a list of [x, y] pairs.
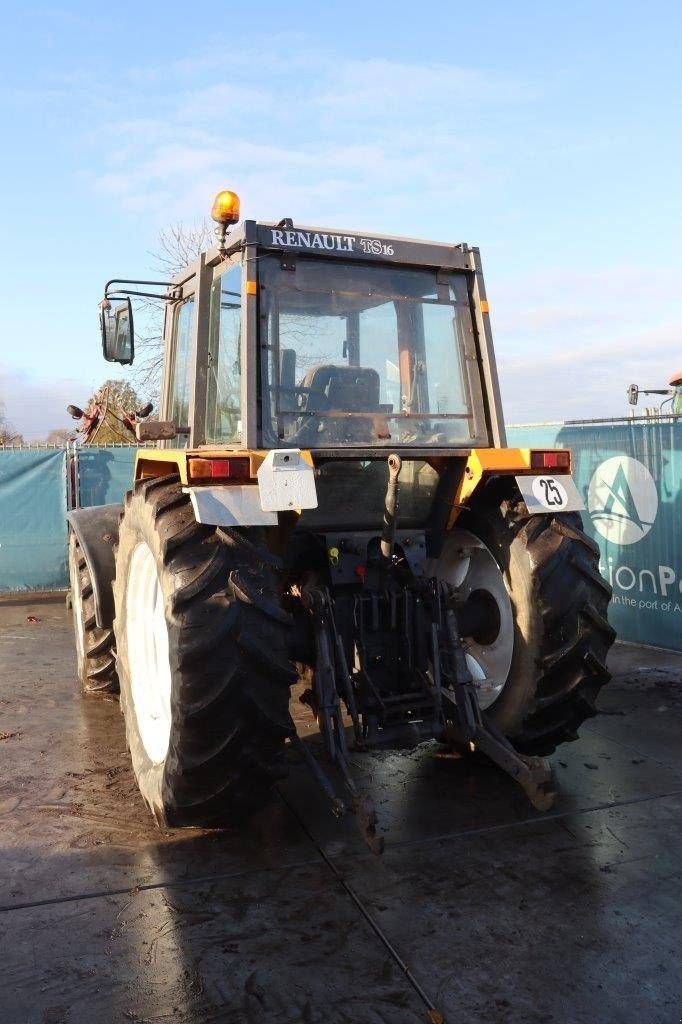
{"points": [[397, 627]]}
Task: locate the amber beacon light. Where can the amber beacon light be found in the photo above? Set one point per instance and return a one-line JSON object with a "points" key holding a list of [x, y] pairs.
{"points": [[225, 209]]}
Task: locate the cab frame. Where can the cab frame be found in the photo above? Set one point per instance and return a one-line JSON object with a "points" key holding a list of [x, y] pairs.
{"points": [[246, 243]]}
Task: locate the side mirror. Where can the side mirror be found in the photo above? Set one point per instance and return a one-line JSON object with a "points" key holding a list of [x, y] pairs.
{"points": [[633, 394], [116, 325]]}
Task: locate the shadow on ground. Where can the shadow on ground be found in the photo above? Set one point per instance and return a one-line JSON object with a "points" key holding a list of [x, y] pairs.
{"points": [[502, 914]]}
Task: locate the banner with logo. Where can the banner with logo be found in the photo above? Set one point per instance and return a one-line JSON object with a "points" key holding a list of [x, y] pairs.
{"points": [[629, 475]]}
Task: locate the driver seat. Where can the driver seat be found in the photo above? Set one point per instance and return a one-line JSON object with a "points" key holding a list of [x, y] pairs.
{"points": [[339, 388], [348, 388]]}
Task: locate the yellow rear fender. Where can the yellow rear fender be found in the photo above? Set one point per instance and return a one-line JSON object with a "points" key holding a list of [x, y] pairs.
{"points": [[224, 466], [553, 465]]}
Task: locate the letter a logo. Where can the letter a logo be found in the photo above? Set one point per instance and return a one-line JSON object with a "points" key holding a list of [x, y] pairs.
{"points": [[622, 500]]}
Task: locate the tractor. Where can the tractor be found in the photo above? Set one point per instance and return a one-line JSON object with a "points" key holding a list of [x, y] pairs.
{"points": [[331, 502]]}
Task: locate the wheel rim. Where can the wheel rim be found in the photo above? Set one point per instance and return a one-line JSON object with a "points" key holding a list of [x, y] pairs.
{"points": [[76, 604], [148, 658], [468, 566]]}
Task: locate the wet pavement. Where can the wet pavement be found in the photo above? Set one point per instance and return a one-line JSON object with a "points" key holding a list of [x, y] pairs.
{"points": [[502, 914]]}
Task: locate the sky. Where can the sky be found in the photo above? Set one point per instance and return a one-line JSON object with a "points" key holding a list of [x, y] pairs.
{"points": [[547, 134]]}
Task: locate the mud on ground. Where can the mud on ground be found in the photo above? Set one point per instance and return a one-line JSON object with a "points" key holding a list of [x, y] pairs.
{"points": [[502, 914]]}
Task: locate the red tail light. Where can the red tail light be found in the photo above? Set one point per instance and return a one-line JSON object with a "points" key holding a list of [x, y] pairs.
{"points": [[550, 460], [205, 470]]}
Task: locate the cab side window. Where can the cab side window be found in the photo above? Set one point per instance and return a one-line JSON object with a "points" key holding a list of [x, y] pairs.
{"points": [[181, 364], [223, 398]]}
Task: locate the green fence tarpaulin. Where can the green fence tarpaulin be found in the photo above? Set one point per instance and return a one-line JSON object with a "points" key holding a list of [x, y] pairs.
{"points": [[629, 474], [32, 519], [34, 485]]}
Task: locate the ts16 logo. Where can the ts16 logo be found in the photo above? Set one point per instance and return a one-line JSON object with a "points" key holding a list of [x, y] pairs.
{"points": [[324, 240]]}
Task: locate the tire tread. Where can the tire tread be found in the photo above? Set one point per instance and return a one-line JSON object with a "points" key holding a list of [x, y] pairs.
{"points": [[229, 662], [98, 673], [572, 635]]}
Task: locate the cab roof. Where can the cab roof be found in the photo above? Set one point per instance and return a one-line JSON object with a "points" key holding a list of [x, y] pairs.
{"points": [[342, 243]]}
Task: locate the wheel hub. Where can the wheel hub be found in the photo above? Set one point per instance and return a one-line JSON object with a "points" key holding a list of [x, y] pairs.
{"points": [[484, 611], [76, 604], [148, 655]]}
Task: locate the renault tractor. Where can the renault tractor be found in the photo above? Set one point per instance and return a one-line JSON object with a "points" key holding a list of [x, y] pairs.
{"points": [[330, 501]]}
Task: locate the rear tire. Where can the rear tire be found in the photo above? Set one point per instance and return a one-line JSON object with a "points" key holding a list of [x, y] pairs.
{"points": [[96, 665], [561, 632], [217, 634]]}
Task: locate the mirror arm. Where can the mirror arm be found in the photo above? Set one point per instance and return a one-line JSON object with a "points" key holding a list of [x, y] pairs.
{"points": [[174, 293], [142, 295]]}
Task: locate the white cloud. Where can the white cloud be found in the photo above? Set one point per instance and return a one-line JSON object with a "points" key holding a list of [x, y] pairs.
{"points": [[570, 341], [373, 133], [222, 103], [370, 144], [569, 381], [33, 406], [395, 89]]}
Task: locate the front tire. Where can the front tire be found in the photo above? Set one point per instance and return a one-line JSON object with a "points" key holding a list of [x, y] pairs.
{"points": [[202, 660], [96, 666]]}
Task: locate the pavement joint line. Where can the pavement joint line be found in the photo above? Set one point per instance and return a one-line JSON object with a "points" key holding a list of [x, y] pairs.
{"points": [[513, 825], [399, 844], [177, 883], [434, 1013], [132, 890], [632, 750]]}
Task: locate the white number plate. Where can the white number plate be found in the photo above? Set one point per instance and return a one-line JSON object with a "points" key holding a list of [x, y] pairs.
{"points": [[544, 493]]}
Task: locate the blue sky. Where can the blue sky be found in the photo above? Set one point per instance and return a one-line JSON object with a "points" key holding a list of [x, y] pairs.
{"points": [[547, 134]]}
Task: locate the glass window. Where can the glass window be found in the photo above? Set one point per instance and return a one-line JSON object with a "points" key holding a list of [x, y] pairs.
{"points": [[362, 354], [223, 399], [181, 369], [352, 493], [442, 343], [377, 329]]}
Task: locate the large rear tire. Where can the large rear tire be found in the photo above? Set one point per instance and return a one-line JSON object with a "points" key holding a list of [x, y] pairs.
{"points": [[202, 659], [96, 665], [559, 601]]}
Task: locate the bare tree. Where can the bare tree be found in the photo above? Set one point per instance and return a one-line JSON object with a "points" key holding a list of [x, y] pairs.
{"points": [[58, 436], [179, 245], [8, 435]]}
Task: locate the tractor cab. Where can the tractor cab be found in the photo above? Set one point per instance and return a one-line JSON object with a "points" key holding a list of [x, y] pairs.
{"points": [[316, 339]]}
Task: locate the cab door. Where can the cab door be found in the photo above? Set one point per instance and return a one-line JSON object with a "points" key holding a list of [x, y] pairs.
{"points": [[180, 368]]}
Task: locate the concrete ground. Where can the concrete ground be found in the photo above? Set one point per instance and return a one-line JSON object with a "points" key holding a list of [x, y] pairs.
{"points": [[501, 914]]}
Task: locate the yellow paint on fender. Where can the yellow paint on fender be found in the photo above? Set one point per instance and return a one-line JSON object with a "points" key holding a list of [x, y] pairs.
{"points": [[481, 463], [484, 462]]}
